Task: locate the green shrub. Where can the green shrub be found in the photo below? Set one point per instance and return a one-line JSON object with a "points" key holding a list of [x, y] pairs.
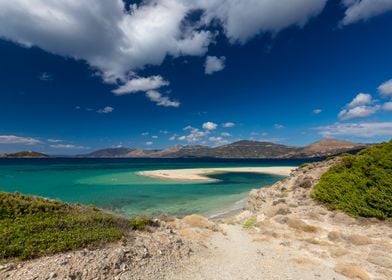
{"points": [[250, 222], [140, 223], [361, 184], [31, 226]]}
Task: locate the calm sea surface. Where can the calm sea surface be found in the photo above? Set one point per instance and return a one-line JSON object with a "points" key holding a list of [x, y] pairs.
{"points": [[114, 185]]}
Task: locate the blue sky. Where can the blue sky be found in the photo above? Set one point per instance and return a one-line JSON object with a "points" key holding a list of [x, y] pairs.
{"points": [[80, 76]]}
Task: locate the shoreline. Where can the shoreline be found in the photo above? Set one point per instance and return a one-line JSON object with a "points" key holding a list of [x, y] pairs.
{"points": [[201, 174]]}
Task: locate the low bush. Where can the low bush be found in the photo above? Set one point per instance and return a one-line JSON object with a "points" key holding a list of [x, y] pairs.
{"points": [[361, 185]]}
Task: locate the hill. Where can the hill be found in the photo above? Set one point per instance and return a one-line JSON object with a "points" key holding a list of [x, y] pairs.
{"points": [[239, 149], [25, 154], [361, 184]]}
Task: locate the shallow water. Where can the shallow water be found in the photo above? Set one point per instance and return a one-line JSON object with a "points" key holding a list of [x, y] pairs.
{"points": [[114, 185]]}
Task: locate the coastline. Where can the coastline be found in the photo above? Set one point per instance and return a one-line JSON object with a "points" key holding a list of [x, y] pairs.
{"points": [[201, 174]]}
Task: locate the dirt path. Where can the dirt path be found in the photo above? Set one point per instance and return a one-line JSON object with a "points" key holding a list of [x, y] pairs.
{"points": [[238, 255]]}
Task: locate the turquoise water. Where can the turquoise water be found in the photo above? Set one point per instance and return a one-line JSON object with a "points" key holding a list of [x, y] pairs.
{"points": [[114, 185]]}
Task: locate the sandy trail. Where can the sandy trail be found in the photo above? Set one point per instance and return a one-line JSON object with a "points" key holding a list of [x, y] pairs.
{"points": [[201, 174], [236, 256]]}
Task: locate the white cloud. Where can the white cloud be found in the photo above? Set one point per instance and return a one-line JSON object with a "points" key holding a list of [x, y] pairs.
{"points": [[243, 19], [360, 107], [105, 110], [218, 141], [45, 76], [145, 133], [214, 64], [210, 126], [387, 106], [360, 10], [55, 140], [228, 124], [385, 89], [361, 130], [317, 111], [103, 33], [360, 100], [12, 139], [225, 134], [77, 108], [160, 100], [154, 137], [69, 146], [278, 126], [195, 135], [149, 143], [141, 84], [117, 42], [358, 112], [173, 137]]}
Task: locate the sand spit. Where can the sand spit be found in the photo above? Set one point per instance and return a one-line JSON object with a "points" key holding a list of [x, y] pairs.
{"points": [[201, 174]]}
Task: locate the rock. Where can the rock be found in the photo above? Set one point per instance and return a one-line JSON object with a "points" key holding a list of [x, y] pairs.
{"points": [[52, 275], [300, 225], [339, 252], [199, 222], [283, 211], [276, 202], [357, 239], [281, 219], [304, 182], [352, 271], [380, 259], [335, 236], [342, 218]]}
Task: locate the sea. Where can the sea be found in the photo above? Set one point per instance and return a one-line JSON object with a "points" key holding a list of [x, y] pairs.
{"points": [[114, 185]]}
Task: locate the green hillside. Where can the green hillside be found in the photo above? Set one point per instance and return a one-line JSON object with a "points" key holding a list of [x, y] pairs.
{"points": [[361, 184], [31, 226]]}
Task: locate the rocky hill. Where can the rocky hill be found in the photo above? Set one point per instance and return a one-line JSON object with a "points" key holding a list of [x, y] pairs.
{"points": [[24, 154], [239, 149]]}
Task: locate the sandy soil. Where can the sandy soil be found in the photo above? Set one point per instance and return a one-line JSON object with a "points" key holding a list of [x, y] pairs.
{"points": [[201, 174]]}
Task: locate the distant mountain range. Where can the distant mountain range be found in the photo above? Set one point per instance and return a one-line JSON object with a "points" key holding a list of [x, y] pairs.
{"points": [[240, 149]]}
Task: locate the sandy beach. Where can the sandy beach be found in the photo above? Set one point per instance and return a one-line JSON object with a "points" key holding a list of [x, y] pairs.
{"points": [[201, 174]]}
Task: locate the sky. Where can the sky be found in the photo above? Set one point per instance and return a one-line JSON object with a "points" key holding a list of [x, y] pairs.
{"points": [[77, 76]]}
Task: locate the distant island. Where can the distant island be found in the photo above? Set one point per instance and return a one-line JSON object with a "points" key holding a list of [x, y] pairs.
{"points": [[24, 154]]}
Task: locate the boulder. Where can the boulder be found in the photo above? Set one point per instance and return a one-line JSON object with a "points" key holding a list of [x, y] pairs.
{"points": [[352, 271]]}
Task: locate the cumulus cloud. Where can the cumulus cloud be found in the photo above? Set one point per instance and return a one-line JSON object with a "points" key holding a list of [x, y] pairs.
{"points": [[361, 130], [228, 124], [195, 135], [214, 64], [243, 19], [361, 10], [387, 106], [161, 100], [360, 107], [218, 141], [118, 40], [145, 133], [141, 84], [69, 146], [225, 134], [210, 126], [149, 143], [154, 137], [385, 89], [12, 139], [105, 110], [111, 39]]}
